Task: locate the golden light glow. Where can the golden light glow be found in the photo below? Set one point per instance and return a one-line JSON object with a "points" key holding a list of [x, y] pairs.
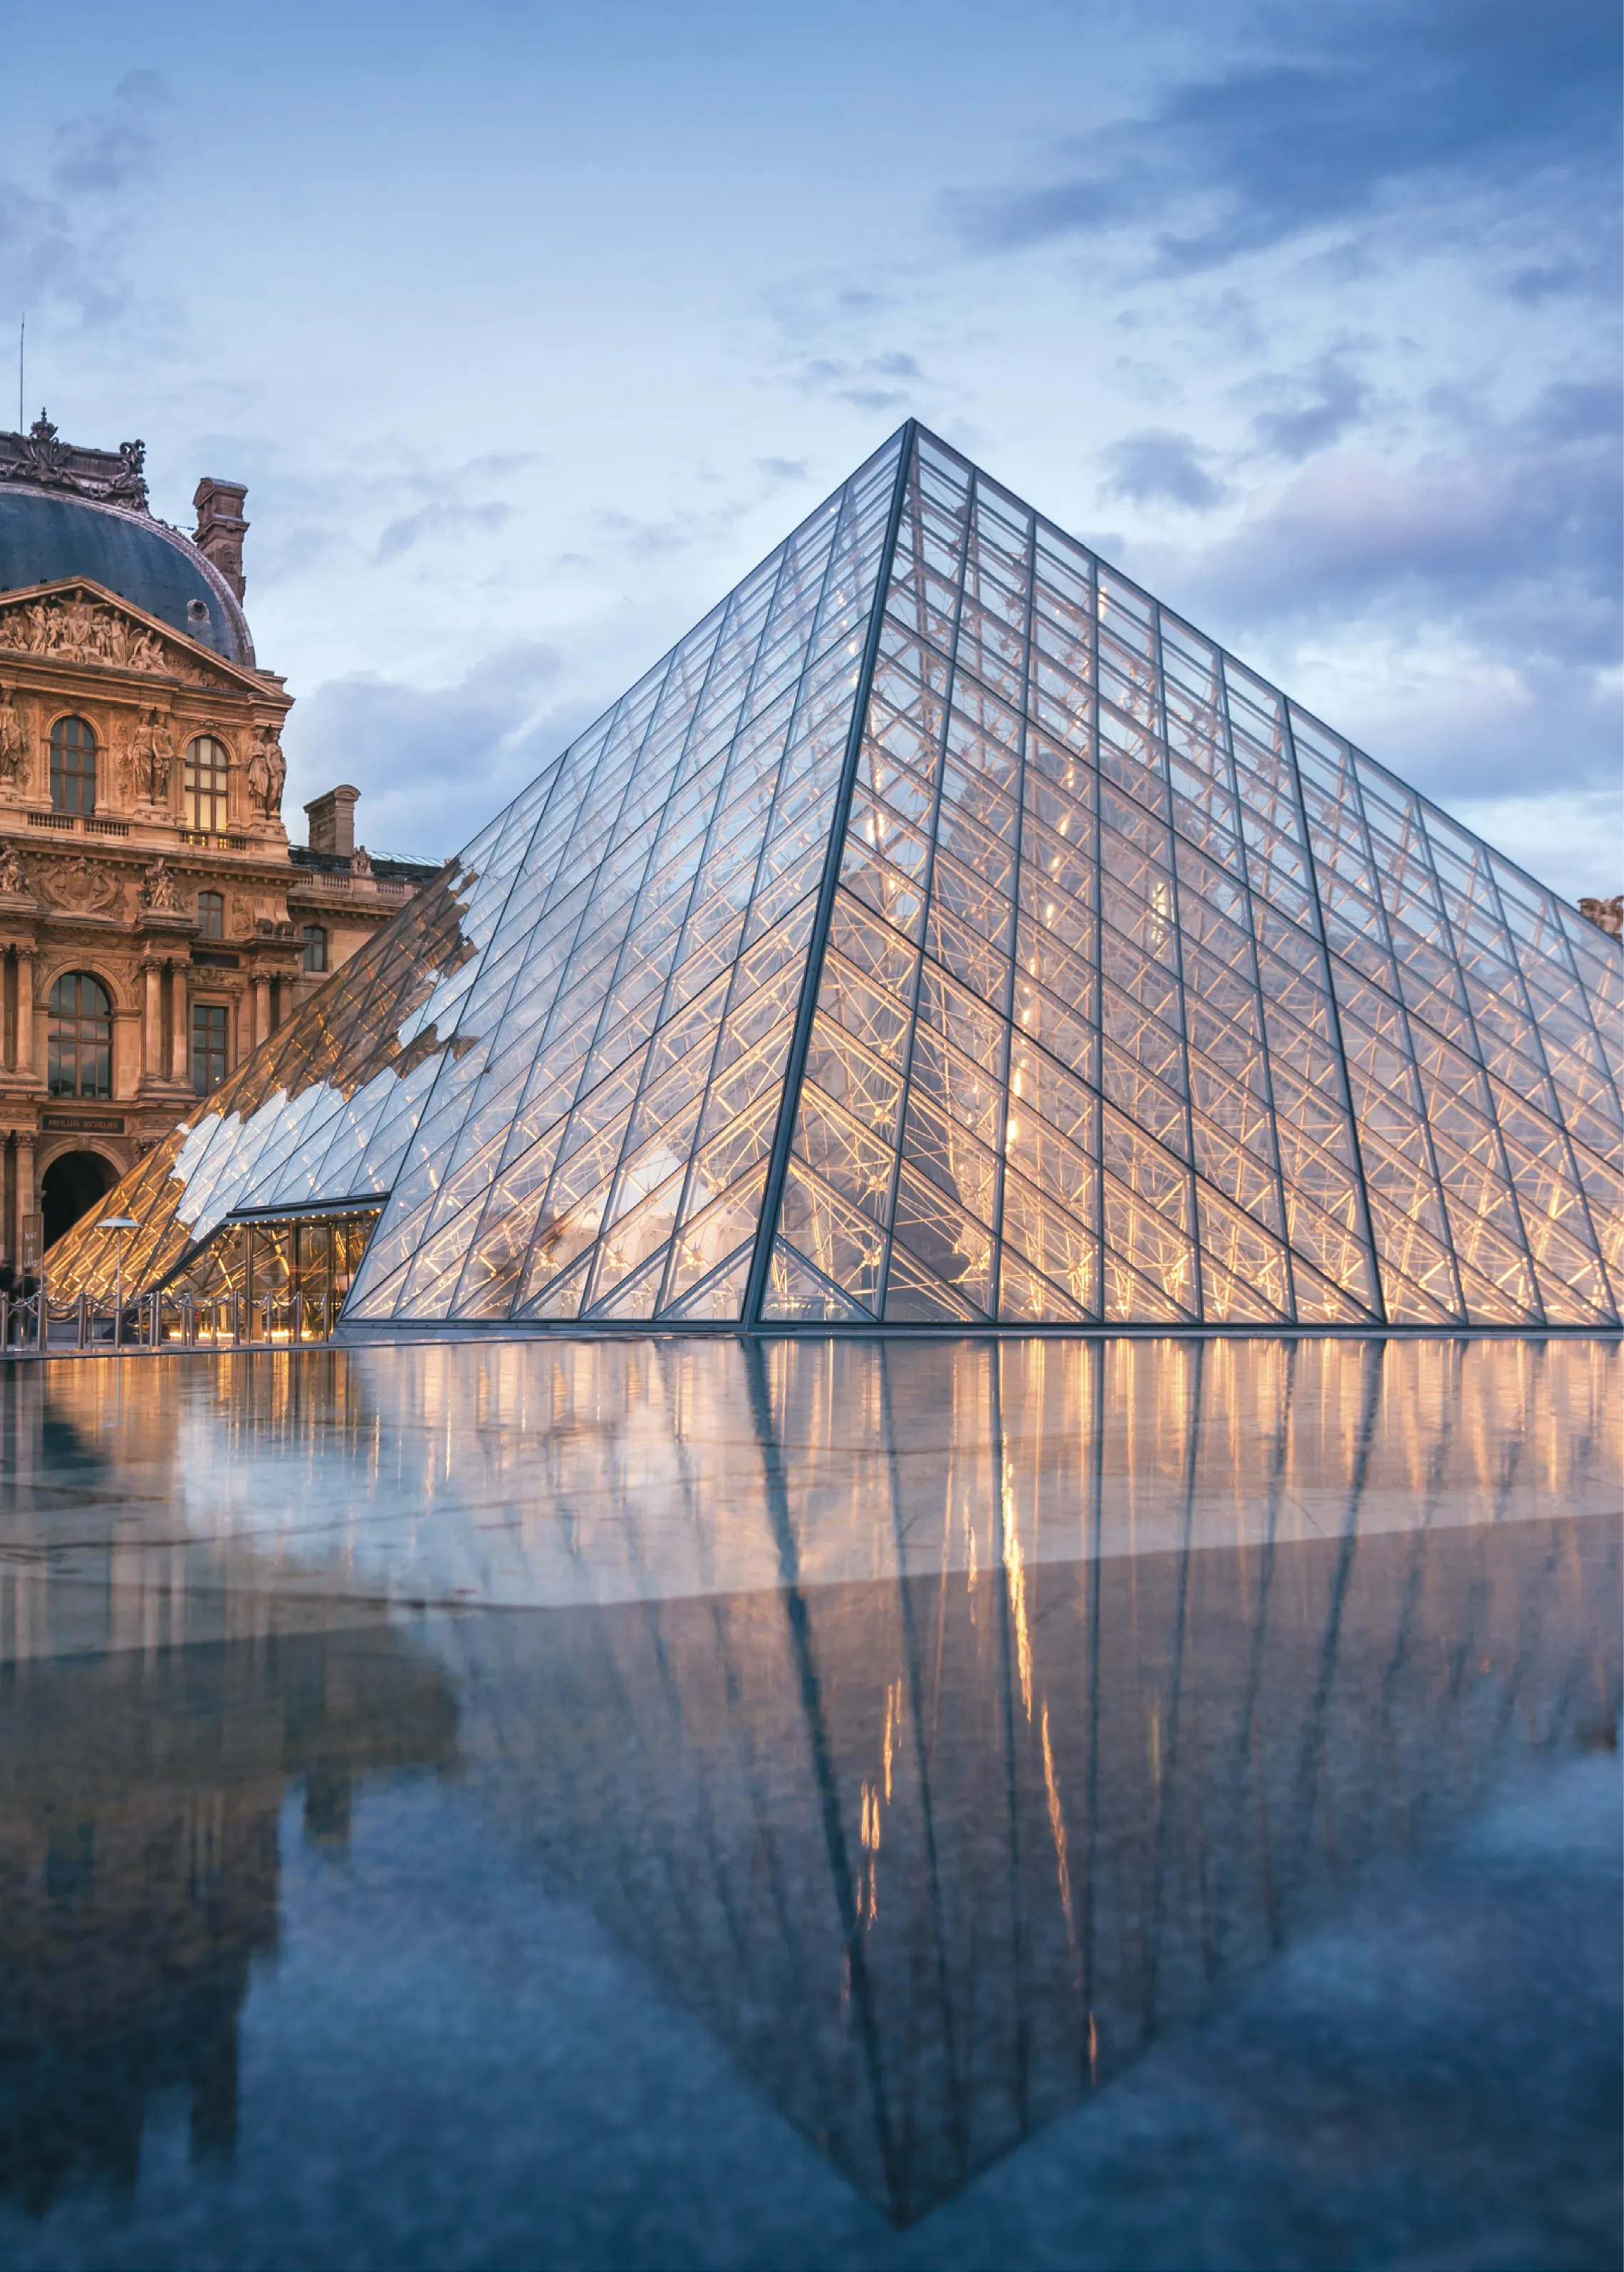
{"points": [[1015, 1570], [1057, 1826]]}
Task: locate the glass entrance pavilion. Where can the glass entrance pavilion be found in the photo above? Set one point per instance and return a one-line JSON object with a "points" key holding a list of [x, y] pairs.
{"points": [[943, 934]]}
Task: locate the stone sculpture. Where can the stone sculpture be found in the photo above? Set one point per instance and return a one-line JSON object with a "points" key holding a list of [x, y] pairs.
{"points": [[158, 894], [149, 759], [13, 747], [267, 773]]}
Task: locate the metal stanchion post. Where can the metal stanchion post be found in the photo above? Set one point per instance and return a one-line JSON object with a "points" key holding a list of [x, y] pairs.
{"points": [[118, 1224]]}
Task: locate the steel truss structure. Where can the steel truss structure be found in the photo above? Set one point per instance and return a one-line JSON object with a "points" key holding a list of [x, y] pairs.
{"points": [[943, 934]]}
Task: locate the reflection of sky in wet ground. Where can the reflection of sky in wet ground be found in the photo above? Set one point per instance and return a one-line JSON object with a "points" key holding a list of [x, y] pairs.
{"points": [[664, 1803]]}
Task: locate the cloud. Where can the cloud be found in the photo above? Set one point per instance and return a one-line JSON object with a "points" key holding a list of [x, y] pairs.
{"points": [[1528, 506], [70, 250], [1468, 607], [1568, 840], [1158, 466], [102, 152], [442, 523], [1336, 399], [42, 262], [700, 527], [433, 763], [1353, 106], [870, 383]]}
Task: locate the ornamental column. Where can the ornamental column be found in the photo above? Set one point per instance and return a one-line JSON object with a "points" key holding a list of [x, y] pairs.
{"points": [[25, 1188], [167, 933], [24, 1018], [261, 1011], [152, 1024], [180, 1025]]}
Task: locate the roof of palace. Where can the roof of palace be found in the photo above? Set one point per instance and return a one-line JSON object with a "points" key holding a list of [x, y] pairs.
{"points": [[67, 512], [946, 934]]}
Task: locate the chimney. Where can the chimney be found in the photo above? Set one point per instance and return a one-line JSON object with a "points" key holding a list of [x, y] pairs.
{"points": [[221, 528], [332, 820]]}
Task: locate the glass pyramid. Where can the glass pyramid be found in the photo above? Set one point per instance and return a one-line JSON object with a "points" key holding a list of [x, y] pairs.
{"points": [[944, 934]]}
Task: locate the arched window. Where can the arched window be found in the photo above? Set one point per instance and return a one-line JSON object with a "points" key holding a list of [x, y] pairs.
{"points": [[81, 1037], [73, 766], [211, 914], [315, 948], [208, 774]]}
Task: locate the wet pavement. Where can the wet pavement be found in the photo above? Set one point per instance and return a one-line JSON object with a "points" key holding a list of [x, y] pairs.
{"points": [[655, 1803]]}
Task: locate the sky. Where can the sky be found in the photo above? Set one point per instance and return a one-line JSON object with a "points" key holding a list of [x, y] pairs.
{"points": [[532, 327]]}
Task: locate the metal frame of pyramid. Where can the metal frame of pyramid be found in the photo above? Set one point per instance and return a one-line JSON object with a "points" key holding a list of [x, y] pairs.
{"points": [[943, 934]]}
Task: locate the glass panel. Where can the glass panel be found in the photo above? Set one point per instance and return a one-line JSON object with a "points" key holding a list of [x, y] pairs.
{"points": [[943, 1241], [795, 1292], [1058, 1237]]}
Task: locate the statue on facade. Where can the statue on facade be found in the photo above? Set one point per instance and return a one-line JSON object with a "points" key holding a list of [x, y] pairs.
{"points": [[1606, 914], [157, 894], [14, 884], [361, 861], [76, 626], [267, 772], [44, 460], [128, 485], [151, 759], [13, 747]]}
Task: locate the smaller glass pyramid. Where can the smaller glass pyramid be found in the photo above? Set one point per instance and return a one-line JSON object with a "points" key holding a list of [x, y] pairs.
{"points": [[944, 934]]}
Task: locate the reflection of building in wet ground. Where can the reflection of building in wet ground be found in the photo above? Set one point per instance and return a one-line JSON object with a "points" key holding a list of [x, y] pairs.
{"points": [[108, 1536], [528, 1474], [940, 1724], [139, 1799], [937, 1856]]}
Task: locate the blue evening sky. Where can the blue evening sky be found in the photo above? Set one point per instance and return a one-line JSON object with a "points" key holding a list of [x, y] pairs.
{"points": [[531, 327]]}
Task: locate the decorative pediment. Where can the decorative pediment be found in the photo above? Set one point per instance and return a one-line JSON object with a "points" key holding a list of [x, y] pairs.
{"points": [[80, 622]]}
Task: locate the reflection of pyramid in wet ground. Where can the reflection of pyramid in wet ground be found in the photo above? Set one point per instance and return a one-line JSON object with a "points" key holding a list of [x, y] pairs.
{"points": [[944, 932]]}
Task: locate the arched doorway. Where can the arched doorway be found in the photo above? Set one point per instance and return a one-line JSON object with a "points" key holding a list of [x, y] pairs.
{"points": [[71, 1187]]}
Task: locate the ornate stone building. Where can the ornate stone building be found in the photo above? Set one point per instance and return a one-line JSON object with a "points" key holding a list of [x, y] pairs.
{"points": [[155, 923]]}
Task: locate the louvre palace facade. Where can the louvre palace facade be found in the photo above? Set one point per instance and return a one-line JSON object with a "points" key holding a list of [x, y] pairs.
{"points": [[943, 935], [156, 926]]}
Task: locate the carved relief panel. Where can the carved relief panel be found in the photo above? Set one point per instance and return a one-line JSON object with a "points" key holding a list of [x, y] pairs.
{"points": [[84, 887], [76, 628]]}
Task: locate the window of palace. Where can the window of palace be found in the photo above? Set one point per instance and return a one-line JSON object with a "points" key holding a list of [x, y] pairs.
{"points": [[315, 948], [73, 766], [208, 772], [80, 1037], [211, 1037], [211, 914]]}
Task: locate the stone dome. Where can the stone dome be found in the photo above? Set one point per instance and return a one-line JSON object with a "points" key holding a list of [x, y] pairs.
{"points": [[46, 534]]}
